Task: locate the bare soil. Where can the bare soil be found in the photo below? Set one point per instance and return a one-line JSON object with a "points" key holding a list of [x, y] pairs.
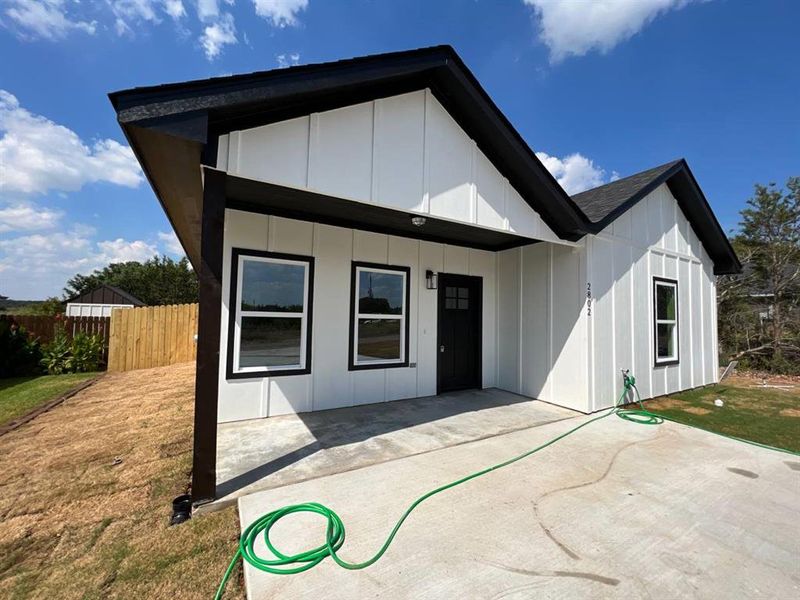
{"points": [[75, 525]]}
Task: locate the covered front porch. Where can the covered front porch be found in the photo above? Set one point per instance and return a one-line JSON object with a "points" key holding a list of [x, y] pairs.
{"points": [[262, 454]]}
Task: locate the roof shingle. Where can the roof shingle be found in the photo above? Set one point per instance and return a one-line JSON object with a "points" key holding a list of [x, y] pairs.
{"points": [[600, 202]]}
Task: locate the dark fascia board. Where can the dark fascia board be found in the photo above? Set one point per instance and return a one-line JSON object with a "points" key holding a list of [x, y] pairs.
{"points": [[242, 101], [693, 203]]}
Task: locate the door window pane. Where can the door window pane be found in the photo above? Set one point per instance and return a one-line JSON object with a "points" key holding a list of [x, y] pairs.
{"points": [[380, 293], [378, 339], [272, 287], [270, 342]]}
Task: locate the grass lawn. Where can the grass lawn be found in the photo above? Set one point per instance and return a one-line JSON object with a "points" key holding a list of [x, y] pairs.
{"points": [[86, 497], [19, 395], [766, 415]]}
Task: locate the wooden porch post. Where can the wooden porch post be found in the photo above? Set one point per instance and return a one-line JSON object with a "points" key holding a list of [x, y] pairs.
{"points": [[204, 463]]}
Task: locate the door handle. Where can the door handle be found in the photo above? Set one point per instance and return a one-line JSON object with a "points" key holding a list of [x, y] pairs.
{"points": [[441, 348]]}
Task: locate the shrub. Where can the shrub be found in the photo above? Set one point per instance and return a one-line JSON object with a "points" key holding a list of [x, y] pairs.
{"points": [[19, 355], [57, 353], [86, 351], [80, 355]]}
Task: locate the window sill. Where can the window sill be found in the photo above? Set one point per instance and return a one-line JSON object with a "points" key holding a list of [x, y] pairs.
{"points": [[369, 367], [263, 374], [666, 363]]}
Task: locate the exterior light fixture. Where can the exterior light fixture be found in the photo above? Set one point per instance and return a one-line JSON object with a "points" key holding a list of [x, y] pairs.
{"points": [[418, 221], [431, 279]]}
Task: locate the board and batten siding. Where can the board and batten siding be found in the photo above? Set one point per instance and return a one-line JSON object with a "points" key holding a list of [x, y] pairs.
{"points": [[330, 384], [403, 152], [652, 239], [542, 345]]}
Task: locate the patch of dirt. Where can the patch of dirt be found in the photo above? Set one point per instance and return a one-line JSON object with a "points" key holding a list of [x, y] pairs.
{"points": [[696, 410], [73, 524], [747, 378], [665, 403], [790, 412]]}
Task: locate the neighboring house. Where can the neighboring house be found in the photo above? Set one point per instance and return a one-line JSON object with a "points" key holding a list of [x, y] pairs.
{"points": [[375, 229], [100, 302]]}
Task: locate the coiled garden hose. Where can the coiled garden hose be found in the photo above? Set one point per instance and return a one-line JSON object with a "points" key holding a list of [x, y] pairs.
{"points": [[288, 564]]}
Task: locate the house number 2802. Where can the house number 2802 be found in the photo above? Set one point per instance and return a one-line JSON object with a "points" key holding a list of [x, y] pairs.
{"points": [[589, 299]]}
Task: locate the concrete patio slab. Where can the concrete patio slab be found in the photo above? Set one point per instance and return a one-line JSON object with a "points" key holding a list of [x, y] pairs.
{"points": [[616, 510], [266, 453]]}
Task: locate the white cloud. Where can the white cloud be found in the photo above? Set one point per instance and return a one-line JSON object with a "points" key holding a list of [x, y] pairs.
{"points": [[37, 155], [571, 28], [207, 9], [36, 266], [120, 250], [575, 173], [170, 242], [281, 13], [217, 35], [28, 217], [288, 60], [143, 11], [174, 8], [46, 19]]}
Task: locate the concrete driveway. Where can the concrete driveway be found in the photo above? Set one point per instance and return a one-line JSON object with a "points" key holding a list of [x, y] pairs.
{"points": [[266, 453], [615, 511]]}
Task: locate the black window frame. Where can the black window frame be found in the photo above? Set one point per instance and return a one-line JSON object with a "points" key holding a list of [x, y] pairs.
{"points": [[406, 328], [669, 361], [233, 309]]}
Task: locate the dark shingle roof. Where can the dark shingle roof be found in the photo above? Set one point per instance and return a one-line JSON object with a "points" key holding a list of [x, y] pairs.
{"points": [[604, 204], [600, 202]]}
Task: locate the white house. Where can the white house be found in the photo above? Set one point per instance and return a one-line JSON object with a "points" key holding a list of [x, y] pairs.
{"points": [[375, 229]]}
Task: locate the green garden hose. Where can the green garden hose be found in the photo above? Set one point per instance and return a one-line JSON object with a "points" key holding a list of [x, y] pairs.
{"points": [[288, 564]]}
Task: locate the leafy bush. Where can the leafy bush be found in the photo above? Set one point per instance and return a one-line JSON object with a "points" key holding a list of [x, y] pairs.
{"points": [[19, 355], [81, 355], [86, 352], [57, 353]]}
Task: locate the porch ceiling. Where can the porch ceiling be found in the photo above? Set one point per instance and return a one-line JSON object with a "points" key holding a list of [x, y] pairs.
{"points": [[261, 197]]}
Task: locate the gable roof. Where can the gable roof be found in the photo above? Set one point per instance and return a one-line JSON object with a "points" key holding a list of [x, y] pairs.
{"points": [[173, 130], [106, 294], [604, 204]]}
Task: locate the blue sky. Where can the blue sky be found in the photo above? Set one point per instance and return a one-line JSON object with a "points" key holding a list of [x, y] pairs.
{"points": [[603, 88]]}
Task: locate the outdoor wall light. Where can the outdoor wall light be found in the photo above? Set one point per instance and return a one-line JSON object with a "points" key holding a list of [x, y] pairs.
{"points": [[418, 221], [431, 279]]}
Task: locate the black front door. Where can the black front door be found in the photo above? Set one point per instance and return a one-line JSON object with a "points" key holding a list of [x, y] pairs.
{"points": [[459, 332]]}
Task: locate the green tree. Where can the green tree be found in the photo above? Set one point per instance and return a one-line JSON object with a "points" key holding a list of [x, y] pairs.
{"points": [[160, 280], [51, 306], [770, 229]]}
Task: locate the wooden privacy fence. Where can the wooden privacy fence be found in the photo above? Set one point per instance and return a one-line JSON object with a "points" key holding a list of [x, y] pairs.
{"points": [[152, 336], [43, 327]]}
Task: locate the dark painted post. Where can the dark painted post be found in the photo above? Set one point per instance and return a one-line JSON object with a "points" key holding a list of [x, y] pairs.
{"points": [[204, 465]]}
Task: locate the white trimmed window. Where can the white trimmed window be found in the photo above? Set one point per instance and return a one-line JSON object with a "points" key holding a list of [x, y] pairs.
{"points": [[270, 329], [665, 304], [379, 317]]}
